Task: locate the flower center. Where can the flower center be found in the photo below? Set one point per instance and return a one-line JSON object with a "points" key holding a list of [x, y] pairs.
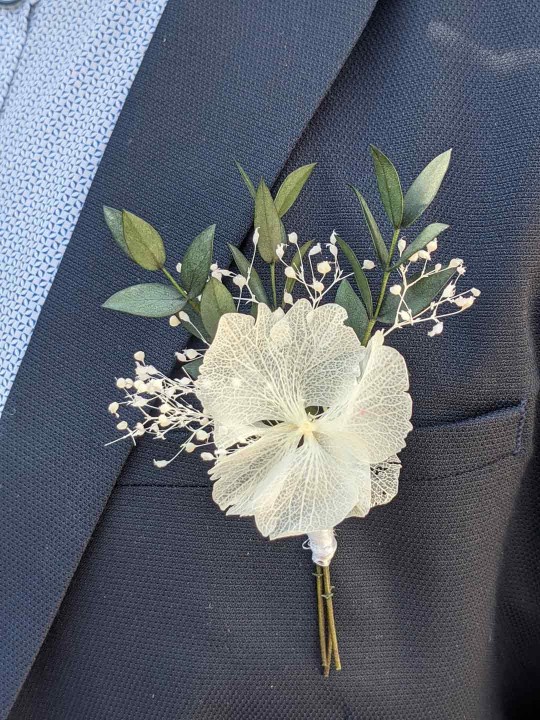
{"points": [[306, 427]]}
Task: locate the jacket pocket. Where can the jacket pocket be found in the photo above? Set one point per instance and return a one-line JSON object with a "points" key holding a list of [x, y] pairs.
{"points": [[433, 451], [452, 448]]}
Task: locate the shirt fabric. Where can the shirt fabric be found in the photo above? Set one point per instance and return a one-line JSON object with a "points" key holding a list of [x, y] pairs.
{"points": [[65, 70]]}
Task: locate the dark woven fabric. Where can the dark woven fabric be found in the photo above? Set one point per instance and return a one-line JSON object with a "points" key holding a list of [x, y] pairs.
{"points": [[178, 612]]}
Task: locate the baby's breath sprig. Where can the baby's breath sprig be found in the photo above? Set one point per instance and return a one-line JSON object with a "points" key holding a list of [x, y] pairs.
{"points": [[327, 289]]}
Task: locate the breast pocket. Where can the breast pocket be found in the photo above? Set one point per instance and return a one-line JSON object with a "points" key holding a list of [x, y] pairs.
{"points": [[455, 448]]}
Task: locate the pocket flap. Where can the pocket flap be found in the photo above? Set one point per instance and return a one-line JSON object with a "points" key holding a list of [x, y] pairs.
{"points": [[451, 448]]}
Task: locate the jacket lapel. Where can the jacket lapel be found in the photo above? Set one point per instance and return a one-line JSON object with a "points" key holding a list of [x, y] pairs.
{"points": [[237, 82]]}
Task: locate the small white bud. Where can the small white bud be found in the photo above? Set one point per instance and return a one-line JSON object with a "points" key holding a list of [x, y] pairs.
{"points": [[184, 381], [122, 425], [255, 236], [121, 383], [174, 321], [128, 382], [293, 238], [140, 386], [139, 356], [424, 255], [207, 457], [449, 291], [184, 317], [240, 281], [161, 463], [333, 237], [165, 408], [395, 289], [155, 385], [287, 298], [318, 286], [164, 421], [405, 315], [455, 262], [139, 429], [436, 330], [217, 274], [191, 353], [324, 267], [280, 251], [414, 258], [178, 268], [315, 250], [438, 267], [476, 292], [368, 265], [464, 302], [190, 447], [290, 272], [461, 270], [113, 408], [181, 357], [333, 250], [432, 246], [402, 244], [201, 435]]}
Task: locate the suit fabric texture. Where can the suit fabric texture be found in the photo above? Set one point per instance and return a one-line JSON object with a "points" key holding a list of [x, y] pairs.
{"points": [[127, 593]]}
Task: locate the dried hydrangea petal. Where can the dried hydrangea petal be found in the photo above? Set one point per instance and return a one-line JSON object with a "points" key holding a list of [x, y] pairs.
{"points": [[272, 369]]}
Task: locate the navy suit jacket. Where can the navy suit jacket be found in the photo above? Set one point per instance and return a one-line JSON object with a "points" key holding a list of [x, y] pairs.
{"points": [[125, 593]]}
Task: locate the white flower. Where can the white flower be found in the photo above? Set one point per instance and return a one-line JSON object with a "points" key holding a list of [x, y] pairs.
{"points": [[368, 265], [318, 417], [324, 267]]}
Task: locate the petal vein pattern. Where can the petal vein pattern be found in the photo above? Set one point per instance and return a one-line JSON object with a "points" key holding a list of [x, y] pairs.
{"points": [[272, 369]]}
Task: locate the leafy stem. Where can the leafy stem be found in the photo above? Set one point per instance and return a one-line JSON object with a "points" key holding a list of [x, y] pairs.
{"points": [[194, 304], [273, 282], [384, 283]]}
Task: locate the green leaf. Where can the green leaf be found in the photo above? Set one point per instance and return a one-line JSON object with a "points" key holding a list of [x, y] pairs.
{"points": [[271, 230], [356, 312], [423, 190], [216, 301], [255, 282], [359, 274], [428, 234], [247, 181], [296, 264], [378, 242], [196, 263], [192, 368], [417, 297], [198, 330], [144, 243], [113, 218], [147, 300], [389, 186], [291, 188]]}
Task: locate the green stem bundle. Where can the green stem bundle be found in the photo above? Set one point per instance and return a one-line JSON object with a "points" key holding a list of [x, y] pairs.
{"points": [[327, 626]]}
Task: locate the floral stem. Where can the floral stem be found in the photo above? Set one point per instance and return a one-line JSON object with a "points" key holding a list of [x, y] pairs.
{"points": [[329, 649], [321, 618], [273, 282], [330, 616], [384, 283], [179, 288]]}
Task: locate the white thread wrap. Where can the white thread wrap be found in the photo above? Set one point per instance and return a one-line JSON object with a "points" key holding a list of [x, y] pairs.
{"points": [[323, 545]]}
